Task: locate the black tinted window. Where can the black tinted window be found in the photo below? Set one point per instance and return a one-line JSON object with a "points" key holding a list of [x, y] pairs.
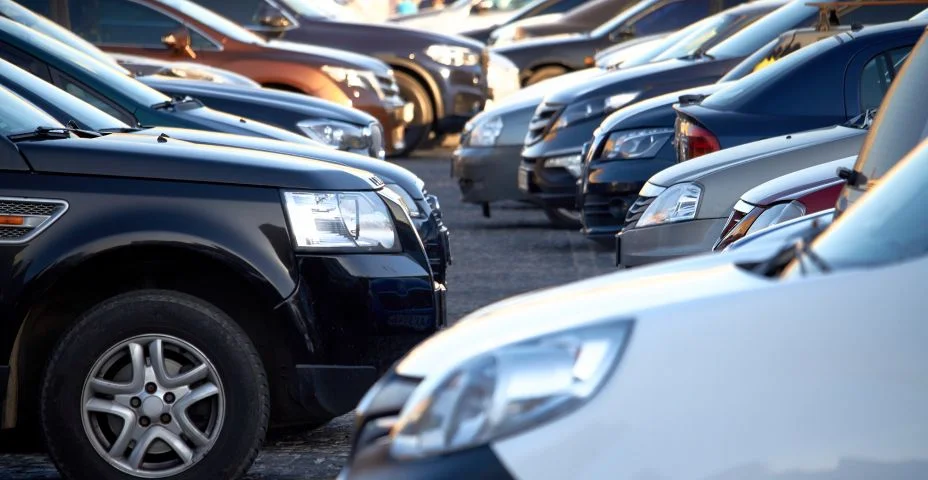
{"points": [[872, 15], [878, 73], [559, 7], [23, 60], [42, 7], [671, 16], [80, 91], [240, 11], [120, 22]]}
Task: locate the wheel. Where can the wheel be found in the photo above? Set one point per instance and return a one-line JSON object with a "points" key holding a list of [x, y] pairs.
{"points": [[154, 384], [417, 132], [563, 218], [544, 73]]}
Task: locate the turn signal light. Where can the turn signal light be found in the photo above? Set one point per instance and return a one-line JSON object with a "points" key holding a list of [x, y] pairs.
{"points": [[12, 220]]}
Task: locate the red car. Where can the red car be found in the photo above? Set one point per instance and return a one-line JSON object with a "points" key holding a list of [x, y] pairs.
{"points": [[784, 198]]}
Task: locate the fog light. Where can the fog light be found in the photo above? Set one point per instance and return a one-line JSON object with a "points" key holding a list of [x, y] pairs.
{"points": [[572, 163]]}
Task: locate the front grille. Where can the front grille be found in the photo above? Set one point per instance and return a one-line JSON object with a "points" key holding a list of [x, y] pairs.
{"points": [[636, 210], [376, 149], [541, 122], [9, 207], [388, 86]]}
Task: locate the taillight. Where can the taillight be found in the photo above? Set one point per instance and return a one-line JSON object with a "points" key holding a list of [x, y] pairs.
{"points": [[695, 141]]}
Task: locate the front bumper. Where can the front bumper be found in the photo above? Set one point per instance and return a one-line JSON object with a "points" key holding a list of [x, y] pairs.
{"points": [[551, 187], [487, 174], [359, 313], [639, 246]]}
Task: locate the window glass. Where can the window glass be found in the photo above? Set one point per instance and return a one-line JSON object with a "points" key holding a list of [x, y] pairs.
{"points": [[42, 7], [876, 14], [120, 22], [790, 16], [321, 9], [23, 60], [878, 73], [240, 11], [557, 7], [83, 93], [19, 116], [671, 16]]}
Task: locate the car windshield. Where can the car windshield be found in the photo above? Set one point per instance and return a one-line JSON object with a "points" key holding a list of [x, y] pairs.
{"points": [[699, 35], [215, 21], [887, 226], [725, 98], [23, 15], [19, 116], [614, 22], [792, 15], [88, 67], [321, 9], [74, 107]]}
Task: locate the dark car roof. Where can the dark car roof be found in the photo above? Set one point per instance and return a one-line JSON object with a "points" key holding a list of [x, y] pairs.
{"points": [[584, 18], [818, 69]]}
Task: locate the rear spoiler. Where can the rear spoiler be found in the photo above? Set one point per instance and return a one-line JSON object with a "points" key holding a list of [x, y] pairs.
{"points": [[827, 11]]}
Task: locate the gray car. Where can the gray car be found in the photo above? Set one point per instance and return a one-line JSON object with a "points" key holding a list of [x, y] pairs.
{"points": [[682, 210]]}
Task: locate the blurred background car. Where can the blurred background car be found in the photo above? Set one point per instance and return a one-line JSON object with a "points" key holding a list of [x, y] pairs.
{"points": [[443, 76], [580, 19], [536, 10], [180, 29], [462, 15], [683, 209]]}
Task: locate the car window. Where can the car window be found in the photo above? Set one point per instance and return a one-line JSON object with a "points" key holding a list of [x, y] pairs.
{"points": [[23, 60], [671, 16], [241, 11], [876, 14], [557, 7], [122, 22], [887, 227], [20, 116], [84, 93], [625, 13], [790, 16], [877, 75]]}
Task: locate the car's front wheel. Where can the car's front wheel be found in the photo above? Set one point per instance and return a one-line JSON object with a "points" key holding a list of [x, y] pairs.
{"points": [[154, 384]]}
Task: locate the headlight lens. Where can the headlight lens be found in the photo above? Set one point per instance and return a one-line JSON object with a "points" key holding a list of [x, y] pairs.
{"points": [[340, 220], [485, 133], [776, 214], [407, 199], [579, 112], [573, 163], [636, 143], [676, 204], [453, 56], [354, 78], [508, 390], [335, 134]]}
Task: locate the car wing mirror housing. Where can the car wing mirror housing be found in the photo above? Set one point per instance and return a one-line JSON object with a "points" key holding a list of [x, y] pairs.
{"points": [[179, 42], [622, 33]]}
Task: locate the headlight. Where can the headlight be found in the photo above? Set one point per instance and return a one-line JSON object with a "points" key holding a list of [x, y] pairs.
{"points": [[573, 163], [776, 214], [453, 56], [340, 220], [407, 199], [485, 133], [635, 144], [354, 78], [579, 112], [676, 204], [335, 134], [508, 390]]}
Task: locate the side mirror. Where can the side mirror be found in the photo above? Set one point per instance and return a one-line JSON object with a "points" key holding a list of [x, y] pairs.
{"points": [[178, 41], [623, 33], [481, 7], [276, 22]]}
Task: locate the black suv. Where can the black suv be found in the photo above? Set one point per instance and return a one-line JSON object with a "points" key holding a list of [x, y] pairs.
{"points": [[164, 302]]}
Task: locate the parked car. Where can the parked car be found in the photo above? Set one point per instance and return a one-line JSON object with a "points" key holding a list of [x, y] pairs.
{"points": [[118, 94], [444, 76], [578, 20], [164, 302], [669, 374], [546, 57], [181, 29], [139, 66], [683, 209], [424, 208], [746, 111], [810, 190], [790, 231], [610, 180], [462, 15], [567, 119], [537, 9], [487, 166]]}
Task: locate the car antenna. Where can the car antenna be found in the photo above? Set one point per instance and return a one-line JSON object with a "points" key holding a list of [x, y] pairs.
{"points": [[163, 138]]}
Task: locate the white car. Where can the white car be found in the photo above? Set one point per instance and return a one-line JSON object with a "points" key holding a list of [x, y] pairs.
{"points": [[810, 365]]}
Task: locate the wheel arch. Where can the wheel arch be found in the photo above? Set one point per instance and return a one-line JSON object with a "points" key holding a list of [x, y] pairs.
{"points": [[426, 79], [528, 72]]}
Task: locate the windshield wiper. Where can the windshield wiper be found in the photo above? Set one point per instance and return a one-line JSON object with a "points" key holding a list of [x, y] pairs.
{"points": [[862, 121], [700, 53], [41, 133], [173, 103], [796, 250], [118, 130], [804, 250]]}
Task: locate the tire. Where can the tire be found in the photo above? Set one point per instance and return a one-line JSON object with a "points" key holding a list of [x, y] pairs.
{"points": [[418, 131], [563, 218], [124, 332], [544, 73]]}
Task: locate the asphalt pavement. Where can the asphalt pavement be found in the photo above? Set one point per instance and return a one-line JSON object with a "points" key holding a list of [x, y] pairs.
{"points": [[512, 252]]}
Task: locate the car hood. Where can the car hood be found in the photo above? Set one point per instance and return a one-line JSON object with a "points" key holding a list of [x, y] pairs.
{"points": [[793, 185], [332, 56], [312, 107], [642, 77], [378, 32], [159, 158], [638, 113], [697, 168], [143, 66], [624, 294], [209, 119], [387, 171]]}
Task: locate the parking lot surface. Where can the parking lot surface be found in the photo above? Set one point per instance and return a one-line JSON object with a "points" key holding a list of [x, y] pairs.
{"points": [[514, 251]]}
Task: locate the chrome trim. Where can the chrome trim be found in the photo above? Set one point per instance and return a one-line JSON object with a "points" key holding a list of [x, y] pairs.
{"points": [[651, 190], [743, 207], [45, 222]]}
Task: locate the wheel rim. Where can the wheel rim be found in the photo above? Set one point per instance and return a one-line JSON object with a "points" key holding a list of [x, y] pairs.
{"points": [[153, 406]]}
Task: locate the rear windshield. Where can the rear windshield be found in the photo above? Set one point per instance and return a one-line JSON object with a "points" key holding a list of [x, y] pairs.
{"points": [[755, 83], [20, 116], [792, 15]]}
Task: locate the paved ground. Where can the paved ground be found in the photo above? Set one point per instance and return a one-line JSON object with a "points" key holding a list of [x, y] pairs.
{"points": [[513, 252]]}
